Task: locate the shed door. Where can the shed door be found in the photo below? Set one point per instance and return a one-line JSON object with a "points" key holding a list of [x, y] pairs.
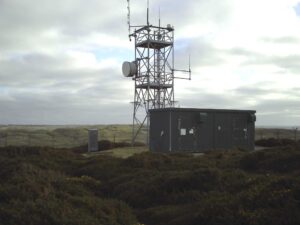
{"points": [[204, 131], [186, 133], [222, 131], [240, 131]]}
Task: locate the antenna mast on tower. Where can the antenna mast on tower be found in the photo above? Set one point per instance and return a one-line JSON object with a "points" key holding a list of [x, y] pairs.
{"points": [[128, 18], [152, 71]]}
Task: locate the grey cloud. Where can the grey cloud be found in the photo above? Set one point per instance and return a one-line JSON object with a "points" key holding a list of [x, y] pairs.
{"points": [[241, 52], [190, 10], [269, 112], [208, 100], [35, 69], [294, 92], [37, 87], [41, 89], [282, 40], [24, 23], [98, 104], [289, 63], [279, 112], [250, 91], [258, 91], [85, 17], [279, 106], [202, 53], [36, 111]]}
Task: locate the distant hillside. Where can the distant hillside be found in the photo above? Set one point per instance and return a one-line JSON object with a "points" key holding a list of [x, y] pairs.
{"points": [[62, 136], [69, 136], [47, 186]]}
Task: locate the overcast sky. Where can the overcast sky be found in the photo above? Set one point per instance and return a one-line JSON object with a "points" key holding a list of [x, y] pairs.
{"points": [[60, 60]]}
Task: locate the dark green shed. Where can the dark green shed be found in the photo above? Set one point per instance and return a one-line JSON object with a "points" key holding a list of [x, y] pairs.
{"points": [[200, 130]]}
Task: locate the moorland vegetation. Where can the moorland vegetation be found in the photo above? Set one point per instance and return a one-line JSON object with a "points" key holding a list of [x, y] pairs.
{"points": [[40, 185]]}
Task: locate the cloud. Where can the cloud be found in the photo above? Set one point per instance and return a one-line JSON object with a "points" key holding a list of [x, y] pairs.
{"points": [[60, 61], [297, 9], [272, 106], [289, 63], [283, 40]]}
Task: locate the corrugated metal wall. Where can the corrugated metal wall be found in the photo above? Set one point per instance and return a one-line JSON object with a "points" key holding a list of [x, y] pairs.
{"points": [[198, 130]]}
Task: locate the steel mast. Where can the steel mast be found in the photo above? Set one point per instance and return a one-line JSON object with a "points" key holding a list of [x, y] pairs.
{"points": [[152, 71]]}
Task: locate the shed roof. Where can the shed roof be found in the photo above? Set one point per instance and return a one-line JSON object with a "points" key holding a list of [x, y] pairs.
{"points": [[200, 110]]}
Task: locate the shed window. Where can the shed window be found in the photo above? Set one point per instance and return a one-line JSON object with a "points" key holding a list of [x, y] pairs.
{"points": [[201, 117]]}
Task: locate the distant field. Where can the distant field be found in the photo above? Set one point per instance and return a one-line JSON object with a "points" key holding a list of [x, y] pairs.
{"points": [[62, 136], [77, 135], [280, 133]]}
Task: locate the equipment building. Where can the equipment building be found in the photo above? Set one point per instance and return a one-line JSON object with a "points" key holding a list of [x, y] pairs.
{"points": [[200, 130]]}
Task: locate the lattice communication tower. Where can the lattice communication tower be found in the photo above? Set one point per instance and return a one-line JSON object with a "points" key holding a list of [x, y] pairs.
{"points": [[152, 71]]}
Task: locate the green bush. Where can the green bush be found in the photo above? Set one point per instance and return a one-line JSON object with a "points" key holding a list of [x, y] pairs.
{"points": [[38, 188], [45, 186]]}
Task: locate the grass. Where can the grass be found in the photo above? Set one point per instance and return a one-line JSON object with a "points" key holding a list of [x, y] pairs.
{"points": [[265, 133], [62, 136], [130, 185], [77, 135], [47, 185], [118, 152]]}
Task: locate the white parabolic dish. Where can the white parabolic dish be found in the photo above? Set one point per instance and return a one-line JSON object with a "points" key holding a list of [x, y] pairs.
{"points": [[129, 69]]}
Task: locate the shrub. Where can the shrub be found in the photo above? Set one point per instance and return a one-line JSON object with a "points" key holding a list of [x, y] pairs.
{"points": [[272, 142]]}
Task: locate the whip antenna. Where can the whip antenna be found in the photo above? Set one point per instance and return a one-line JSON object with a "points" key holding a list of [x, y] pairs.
{"points": [[148, 12], [128, 18]]}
